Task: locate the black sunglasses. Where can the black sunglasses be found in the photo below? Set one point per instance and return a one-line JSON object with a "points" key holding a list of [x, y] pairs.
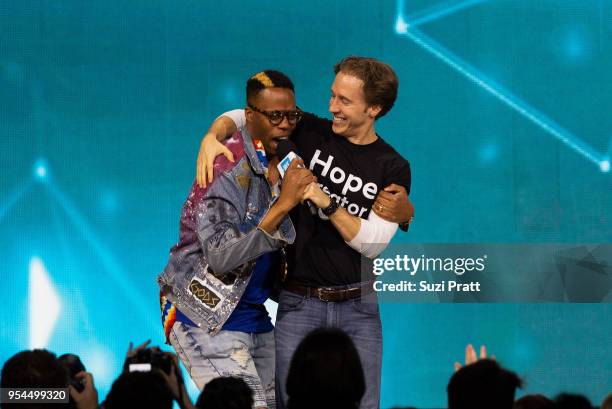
{"points": [[276, 117]]}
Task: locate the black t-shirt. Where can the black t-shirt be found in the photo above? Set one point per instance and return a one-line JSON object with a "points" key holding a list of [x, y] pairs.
{"points": [[353, 174]]}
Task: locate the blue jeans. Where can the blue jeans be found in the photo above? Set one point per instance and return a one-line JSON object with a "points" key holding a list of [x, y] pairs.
{"points": [[360, 318], [228, 353]]}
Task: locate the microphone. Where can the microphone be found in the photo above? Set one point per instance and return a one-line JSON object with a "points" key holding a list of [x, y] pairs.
{"points": [[286, 150]]}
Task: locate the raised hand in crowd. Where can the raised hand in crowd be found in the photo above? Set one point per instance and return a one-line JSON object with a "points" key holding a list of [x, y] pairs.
{"points": [[88, 397], [176, 383], [471, 357]]}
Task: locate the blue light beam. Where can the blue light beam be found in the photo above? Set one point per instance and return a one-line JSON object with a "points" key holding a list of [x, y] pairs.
{"points": [[471, 73], [44, 304], [117, 274], [439, 11], [14, 197]]}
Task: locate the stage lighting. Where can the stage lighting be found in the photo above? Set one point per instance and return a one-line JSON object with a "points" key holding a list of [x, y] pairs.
{"points": [[400, 26], [40, 170]]}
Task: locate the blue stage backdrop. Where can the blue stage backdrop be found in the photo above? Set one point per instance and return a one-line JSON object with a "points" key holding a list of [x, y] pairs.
{"points": [[503, 111]]}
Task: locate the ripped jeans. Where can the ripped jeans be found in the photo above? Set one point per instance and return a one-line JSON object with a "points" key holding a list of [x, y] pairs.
{"points": [[244, 355]]}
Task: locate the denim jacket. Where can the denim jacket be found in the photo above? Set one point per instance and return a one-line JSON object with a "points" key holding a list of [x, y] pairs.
{"points": [[219, 241]]}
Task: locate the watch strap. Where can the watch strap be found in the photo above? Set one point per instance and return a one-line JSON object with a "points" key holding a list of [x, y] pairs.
{"points": [[331, 209]]}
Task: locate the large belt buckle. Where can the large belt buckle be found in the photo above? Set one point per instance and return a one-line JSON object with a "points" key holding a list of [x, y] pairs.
{"points": [[323, 291]]}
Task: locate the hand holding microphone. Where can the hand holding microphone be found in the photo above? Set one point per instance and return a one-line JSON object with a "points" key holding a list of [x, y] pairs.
{"points": [[295, 180], [286, 153]]}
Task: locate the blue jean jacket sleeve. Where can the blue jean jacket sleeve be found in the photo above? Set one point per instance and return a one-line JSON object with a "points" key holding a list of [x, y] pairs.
{"points": [[229, 234]]}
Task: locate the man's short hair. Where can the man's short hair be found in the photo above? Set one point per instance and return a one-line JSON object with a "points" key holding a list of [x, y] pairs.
{"points": [[380, 83], [266, 79], [139, 390], [33, 369], [482, 385]]}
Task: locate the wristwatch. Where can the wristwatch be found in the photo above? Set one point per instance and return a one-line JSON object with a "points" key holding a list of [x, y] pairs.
{"points": [[331, 209]]}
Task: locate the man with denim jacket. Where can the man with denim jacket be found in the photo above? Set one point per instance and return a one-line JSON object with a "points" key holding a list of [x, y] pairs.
{"points": [[222, 269]]}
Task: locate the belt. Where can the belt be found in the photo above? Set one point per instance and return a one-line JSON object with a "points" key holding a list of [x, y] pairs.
{"points": [[331, 294]]}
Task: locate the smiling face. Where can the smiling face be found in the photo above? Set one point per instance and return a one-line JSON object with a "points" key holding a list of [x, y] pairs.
{"points": [[270, 99], [352, 117]]}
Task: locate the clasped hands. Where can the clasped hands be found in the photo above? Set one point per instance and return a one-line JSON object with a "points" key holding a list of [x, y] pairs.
{"points": [[299, 185]]}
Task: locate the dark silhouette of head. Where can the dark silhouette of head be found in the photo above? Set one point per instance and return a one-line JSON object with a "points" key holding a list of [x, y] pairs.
{"points": [[325, 372], [139, 389], [534, 402], [226, 392], [482, 385], [607, 403], [572, 401], [34, 369]]}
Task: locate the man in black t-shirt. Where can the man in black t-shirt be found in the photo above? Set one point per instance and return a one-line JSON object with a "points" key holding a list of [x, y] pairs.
{"points": [[350, 170], [353, 164], [349, 174]]}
